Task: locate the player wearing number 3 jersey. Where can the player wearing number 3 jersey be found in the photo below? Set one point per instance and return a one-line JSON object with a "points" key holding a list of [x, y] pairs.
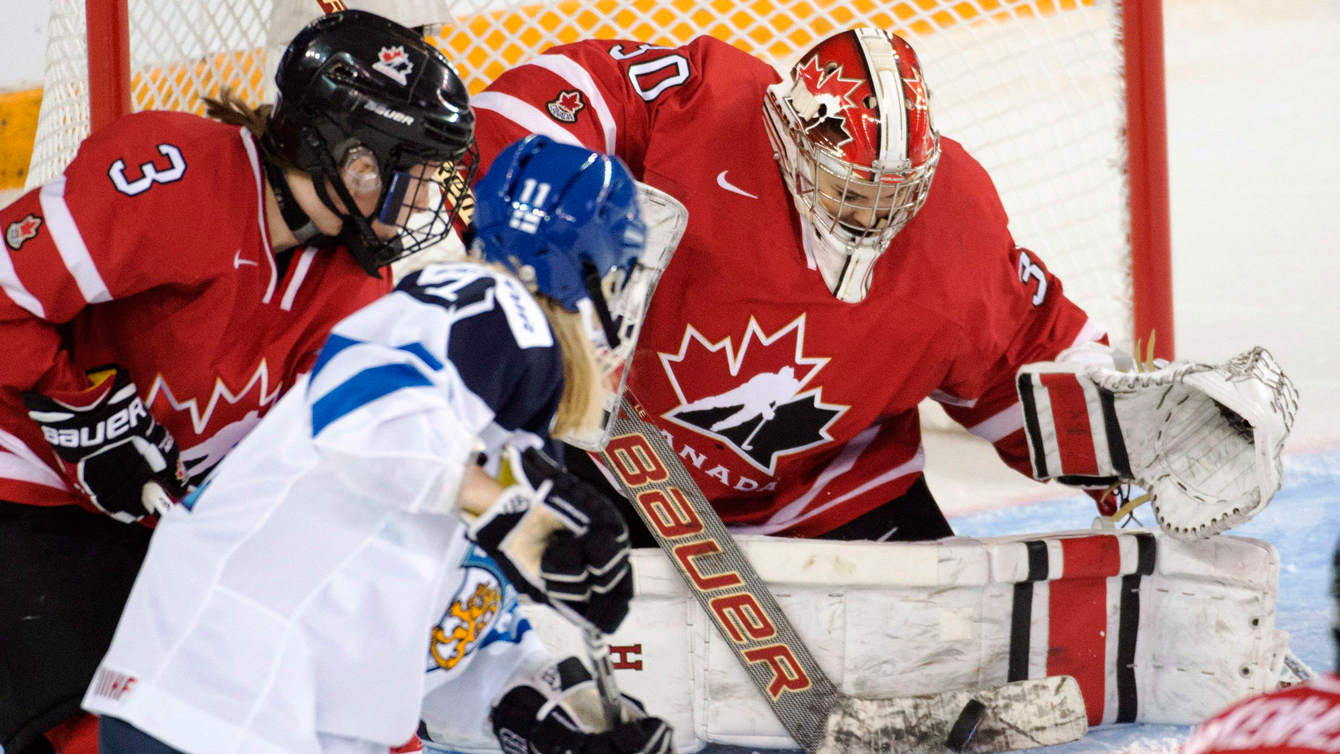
{"points": [[287, 608], [808, 309], [158, 297]]}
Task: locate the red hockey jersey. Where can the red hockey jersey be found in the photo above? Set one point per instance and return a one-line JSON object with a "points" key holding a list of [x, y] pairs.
{"points": [[794, 411], [152, 252], [1297, 720]]}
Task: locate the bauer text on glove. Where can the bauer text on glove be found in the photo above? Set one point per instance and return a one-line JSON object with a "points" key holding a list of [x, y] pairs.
{"points": [[110, 447]]}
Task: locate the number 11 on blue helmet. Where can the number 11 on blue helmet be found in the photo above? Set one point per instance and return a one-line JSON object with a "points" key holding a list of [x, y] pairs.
{"points": [[566, 221]]}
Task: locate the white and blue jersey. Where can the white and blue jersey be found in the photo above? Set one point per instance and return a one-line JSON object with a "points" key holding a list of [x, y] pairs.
{"points": [[320, 594]]}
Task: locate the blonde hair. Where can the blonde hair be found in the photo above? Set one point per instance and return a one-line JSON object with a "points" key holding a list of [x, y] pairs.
{"points": [[582, 405]]}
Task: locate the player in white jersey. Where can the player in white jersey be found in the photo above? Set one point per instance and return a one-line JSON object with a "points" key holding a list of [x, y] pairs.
{"points": [[288, 606]]}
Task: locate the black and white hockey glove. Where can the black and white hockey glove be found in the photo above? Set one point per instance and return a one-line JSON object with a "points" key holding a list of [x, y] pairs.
{"points": [[110, 447], [559, 542], [559, 712]]}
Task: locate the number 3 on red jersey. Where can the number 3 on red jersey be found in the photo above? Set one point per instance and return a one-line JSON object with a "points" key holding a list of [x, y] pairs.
{"points": [[149, 172]]}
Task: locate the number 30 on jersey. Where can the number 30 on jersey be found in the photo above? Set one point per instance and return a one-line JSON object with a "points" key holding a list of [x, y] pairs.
{"points": [[652, 77]]}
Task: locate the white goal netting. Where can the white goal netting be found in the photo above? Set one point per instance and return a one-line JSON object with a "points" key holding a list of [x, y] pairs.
{"points": [[1033, 88]]}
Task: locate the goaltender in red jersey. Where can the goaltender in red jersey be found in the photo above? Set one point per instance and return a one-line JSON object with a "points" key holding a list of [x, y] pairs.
{"points": [[807, 310]]}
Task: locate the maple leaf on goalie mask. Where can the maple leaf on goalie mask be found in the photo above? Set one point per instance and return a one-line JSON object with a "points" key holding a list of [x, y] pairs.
{"points": [[835, 110], [761, 400]]}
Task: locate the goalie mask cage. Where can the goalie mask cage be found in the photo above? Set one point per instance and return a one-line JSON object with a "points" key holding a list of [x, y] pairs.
{"points": [[1061, 100]]}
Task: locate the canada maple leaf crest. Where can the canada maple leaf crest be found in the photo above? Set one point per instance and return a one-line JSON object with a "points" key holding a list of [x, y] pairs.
{"points": [[394, 63], [823, 98], [760, 400], [916, 99], [565, 107], [22, 231], [914, 91]]}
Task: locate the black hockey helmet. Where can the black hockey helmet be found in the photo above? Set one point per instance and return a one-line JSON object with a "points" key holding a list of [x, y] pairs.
{"points": [[353, 84]]}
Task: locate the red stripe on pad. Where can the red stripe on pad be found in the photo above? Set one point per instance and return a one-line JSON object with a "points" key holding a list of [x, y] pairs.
{"points": [[1070, 415], [1095, 557], [1077, 617]]}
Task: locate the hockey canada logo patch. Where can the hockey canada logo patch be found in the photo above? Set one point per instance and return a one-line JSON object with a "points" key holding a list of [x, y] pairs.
{"points": [[761, 401], [395, 64], [19, 233], [566, 106]]}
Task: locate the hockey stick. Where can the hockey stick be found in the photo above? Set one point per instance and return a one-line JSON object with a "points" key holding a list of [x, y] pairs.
{"points": [[599, 653], [820, 718]]}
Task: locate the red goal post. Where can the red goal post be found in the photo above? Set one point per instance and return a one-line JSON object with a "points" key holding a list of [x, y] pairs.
{"points": [[1062, 100]]}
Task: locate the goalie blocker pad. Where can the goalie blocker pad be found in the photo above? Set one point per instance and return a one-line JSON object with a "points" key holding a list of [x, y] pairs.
{"points": [[1153, 629], [1073, 433]]}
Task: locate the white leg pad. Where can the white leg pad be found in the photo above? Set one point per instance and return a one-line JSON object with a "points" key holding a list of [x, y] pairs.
{"points": [[1154, 629]]}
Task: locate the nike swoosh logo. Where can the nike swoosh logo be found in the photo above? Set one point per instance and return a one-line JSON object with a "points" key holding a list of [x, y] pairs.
{"points": [[721, 181], [238, 261]]}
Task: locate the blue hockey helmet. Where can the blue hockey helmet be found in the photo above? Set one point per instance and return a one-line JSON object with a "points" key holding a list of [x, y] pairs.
{"points": [[565, 220], [568, 222], [562, 218]]}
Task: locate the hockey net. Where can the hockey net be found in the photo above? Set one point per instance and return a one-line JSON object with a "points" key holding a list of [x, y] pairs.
{"points": [[1035, 89]]}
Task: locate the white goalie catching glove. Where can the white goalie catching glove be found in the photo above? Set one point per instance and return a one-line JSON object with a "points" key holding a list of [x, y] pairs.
{"points": [[1204, 440], [559, 712]]}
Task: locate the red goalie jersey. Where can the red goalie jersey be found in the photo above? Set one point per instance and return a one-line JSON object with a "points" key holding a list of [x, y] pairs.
{"points": [[152, 252], [1297, 720], [795, 412]]}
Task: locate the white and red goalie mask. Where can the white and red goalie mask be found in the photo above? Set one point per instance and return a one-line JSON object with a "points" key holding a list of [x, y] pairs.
{"points": [[851, 129]]}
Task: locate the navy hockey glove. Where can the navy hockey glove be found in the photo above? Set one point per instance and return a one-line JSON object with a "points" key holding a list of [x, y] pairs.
{"points": [[110, 447], [559, 712], [559, 542]]}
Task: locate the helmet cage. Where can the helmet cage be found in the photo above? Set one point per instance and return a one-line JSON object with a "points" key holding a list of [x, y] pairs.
{"points": [[353, 81], [420, 197], [618, 301], [888, 195], [629, 293]]}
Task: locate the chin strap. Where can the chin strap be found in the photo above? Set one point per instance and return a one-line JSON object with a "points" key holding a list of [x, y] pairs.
{"points": [[297, 221], [371, 252]]}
